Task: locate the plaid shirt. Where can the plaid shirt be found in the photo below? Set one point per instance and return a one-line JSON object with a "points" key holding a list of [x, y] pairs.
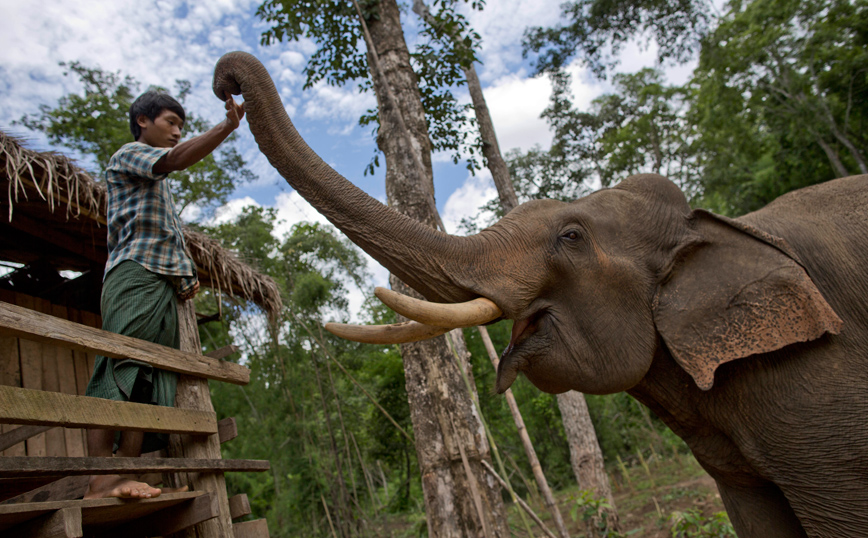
{"points": [[143, 225]]}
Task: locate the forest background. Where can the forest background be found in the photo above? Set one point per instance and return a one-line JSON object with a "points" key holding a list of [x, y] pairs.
{"points": [[778, 100]]}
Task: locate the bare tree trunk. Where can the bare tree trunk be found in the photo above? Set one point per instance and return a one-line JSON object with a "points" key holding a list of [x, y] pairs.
{"points": [[585, 454], [490, 147], [461, 498], [581, 436]]}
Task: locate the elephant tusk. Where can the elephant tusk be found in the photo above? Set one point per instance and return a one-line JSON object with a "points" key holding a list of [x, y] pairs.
{"points": [[479, 311], [397, 333]]}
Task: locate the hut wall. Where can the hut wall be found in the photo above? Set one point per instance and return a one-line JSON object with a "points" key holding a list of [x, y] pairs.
{"points": [[41, 366]]}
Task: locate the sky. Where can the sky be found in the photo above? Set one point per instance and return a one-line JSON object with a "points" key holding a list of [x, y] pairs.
{"points": [[161, 41]]}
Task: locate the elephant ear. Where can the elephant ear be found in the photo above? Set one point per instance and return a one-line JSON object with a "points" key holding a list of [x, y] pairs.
{"points": [[733, 291]]}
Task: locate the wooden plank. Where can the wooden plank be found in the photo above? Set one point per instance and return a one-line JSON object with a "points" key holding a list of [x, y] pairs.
{"points": [[239, 506], [24, 323], [25, 406], [10, 375], [19, 434], [31, 374], [95, 512], [223, 352], [63, 523], [67, 384], [193, 393], [227, 429], [83, 371], [30, 467], [55, 440], [13, 487], [258, 528], [168, 520], [62, 489]]}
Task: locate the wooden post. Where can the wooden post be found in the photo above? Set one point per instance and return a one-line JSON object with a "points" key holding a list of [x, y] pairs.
{"points": [[193, 393]]}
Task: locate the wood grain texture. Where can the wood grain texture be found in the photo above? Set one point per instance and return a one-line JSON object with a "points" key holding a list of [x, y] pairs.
{"points": [[257, 528], [30, 467], [227, 429], [28, 324], [37, 407], [63, 523], [193, 393], [62, 489], [31, 373], [167, 521], [239, 506], [94, 512]]}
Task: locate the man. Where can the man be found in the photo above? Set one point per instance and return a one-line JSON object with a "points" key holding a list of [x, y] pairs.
{"points": [[147, 272]]}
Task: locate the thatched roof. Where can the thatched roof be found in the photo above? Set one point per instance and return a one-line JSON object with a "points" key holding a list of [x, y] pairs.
{"points": [[53, 210]]}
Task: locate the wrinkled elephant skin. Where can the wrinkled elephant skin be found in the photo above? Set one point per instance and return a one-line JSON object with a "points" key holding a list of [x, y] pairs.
{"points": [[746, 336]]}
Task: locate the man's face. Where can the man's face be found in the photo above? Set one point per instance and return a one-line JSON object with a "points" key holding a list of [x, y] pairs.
{"points": [[163, 132]]}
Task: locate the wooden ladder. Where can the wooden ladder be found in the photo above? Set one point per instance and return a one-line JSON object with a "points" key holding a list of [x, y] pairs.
{"points": [[35, 491]]}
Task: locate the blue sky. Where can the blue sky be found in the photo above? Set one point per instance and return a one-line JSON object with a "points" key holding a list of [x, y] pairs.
{"points": [[160, 41]]}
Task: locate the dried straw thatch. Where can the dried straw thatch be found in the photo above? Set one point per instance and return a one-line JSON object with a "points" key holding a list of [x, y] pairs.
{"points": [[49, 191]]}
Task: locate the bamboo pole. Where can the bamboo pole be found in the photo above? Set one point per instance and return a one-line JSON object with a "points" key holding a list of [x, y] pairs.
{"points": [[343, 495], [521, 502], [535, 466]]}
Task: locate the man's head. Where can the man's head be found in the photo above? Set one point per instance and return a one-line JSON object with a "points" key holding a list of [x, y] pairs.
{"points": [[149, 106]]}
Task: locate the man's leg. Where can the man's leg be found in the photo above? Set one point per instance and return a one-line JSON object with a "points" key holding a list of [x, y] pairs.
{"points": [[100, 444]]}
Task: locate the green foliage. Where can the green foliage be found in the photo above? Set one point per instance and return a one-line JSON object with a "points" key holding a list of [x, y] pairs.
{"points": [[598, 29], [594, 512], [692, 524], [445, 46], [96, 124], [782, 85]]}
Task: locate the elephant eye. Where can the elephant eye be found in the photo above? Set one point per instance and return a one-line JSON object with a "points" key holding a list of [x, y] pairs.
{"points": [[571, 235]]}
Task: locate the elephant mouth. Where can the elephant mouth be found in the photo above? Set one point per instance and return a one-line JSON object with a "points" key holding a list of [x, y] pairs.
{"points": [[529, 340]]}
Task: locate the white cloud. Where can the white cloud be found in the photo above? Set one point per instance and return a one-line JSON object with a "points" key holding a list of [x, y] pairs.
{"points": [[230, 211], [292, 209], [466, 200]]}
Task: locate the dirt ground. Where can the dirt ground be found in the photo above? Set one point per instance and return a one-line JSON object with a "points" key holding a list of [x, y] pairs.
{"points": [[650, 499]]}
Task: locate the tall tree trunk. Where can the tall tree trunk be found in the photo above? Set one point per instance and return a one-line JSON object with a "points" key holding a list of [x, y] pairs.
{"points": [[490, 147], [585, 454], [581, 436], [461, 499]]}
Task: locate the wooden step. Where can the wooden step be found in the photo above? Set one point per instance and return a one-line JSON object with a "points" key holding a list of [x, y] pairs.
{"points": [[37, 467], [31, 325], [39, 407], [258, 528], [163, 515]]}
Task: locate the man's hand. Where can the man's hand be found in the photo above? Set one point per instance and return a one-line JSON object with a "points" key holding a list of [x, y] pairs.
{"points": [[234, 111]]}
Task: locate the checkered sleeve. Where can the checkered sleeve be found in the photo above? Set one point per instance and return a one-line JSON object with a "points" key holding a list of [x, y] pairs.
{"points": [[139, 159]]}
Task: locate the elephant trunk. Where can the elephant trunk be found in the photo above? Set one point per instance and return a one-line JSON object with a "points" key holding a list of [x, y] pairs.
{"points": [[420, 256]]}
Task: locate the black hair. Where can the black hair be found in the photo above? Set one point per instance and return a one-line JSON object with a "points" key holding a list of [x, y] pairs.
{"points": [[150, 104]]}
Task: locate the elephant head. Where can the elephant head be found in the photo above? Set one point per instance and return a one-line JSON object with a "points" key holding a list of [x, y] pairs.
{"points": [[596, 287]]}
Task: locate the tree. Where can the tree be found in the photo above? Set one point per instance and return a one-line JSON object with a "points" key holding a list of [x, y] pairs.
{"points": [[460, 498], [97, 123], [597, 29], [781, 85]]}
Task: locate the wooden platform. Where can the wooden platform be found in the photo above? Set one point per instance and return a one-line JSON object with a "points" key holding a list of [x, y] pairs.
{"points": [[159, 516]]}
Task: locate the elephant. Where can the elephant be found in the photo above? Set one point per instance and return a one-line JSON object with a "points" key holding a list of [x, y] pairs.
{"points": [[747, 337]]}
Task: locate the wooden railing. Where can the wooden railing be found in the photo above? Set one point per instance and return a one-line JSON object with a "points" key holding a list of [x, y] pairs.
{"points": [[56, 481]]}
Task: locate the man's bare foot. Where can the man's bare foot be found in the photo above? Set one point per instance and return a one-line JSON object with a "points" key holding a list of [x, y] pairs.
{"points": [[103, 486]]}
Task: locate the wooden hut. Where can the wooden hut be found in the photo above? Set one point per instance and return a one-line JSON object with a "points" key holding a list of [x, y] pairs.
{"points": [[53, 221]]}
